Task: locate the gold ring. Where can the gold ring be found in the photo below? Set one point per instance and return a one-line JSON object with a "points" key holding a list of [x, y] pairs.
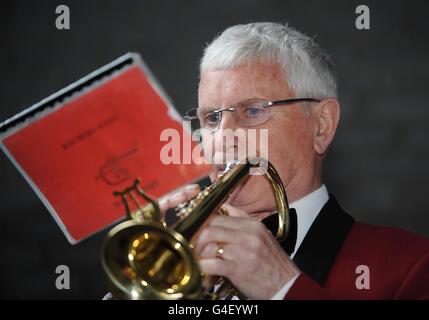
{"points": [[223, 212], [219, 251]]}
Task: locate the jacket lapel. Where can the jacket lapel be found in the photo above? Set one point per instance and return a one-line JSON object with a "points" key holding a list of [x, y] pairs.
{"points": [[323, 241]]}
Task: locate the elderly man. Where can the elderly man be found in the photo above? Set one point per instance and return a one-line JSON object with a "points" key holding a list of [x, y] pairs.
{"points": [[270, 76]]}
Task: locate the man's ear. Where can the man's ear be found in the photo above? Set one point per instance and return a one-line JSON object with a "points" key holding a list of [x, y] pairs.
{"points": [[327, 115]]}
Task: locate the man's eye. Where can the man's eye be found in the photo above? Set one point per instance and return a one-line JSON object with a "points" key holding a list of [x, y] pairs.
{"points": [[253, 111], [211, 118]]}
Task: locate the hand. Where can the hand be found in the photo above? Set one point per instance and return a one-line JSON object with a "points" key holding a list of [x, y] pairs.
{"points": [[252, 260], [175, 198]]}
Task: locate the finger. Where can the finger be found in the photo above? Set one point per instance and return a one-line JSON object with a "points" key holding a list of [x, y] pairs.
{"points": [[217, 267], [234, 212], [177, 197], [216, 234], [229, 251], [231, 222]]}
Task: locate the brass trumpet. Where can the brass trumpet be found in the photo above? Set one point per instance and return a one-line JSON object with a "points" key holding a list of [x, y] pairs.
{"points": [[145, 259]]}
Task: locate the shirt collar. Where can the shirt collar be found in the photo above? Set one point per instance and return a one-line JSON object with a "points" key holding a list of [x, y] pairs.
{"points": [[307, 208]]}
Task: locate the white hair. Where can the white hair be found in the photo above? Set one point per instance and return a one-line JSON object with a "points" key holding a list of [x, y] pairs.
{"points": [[308, 69]]}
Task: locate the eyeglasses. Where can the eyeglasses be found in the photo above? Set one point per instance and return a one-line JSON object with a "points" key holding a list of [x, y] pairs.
{"points": [[247, 113]]}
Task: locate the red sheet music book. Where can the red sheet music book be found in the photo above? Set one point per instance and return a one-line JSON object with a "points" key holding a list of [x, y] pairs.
{"points": [[94, 137]]}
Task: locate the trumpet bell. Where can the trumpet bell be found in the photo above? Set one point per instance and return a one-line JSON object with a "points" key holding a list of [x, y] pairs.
{"points": [[159, 265]]}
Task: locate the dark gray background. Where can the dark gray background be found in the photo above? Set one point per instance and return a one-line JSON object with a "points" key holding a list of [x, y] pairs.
{"points": [[378, 165]]}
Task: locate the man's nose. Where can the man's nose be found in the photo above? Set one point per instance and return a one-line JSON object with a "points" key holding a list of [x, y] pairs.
{"points": [[228, 120], [225, 140]]}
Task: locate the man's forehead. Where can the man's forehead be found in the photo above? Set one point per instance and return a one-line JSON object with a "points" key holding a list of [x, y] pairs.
{"points": [[251, 72], [241, 83]]}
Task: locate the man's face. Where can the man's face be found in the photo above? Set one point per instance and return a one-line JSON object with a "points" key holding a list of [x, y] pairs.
{"points": [[290, 132]]}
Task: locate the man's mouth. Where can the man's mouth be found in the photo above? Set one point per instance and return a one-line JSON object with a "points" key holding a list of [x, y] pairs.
{"points": [[219, 169]]}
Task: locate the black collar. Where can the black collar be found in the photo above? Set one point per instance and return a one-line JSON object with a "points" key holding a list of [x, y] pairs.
{"points": [[272, 222], [323, 241]]}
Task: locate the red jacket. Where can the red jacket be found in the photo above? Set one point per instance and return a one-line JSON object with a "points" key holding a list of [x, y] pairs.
{"points": [[397, 260]]}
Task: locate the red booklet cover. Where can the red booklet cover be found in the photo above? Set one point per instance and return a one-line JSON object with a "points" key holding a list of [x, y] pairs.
{"points": [[95, 137]]}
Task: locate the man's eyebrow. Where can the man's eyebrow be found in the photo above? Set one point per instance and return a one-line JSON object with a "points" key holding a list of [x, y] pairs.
{"points": [[207, 109]]}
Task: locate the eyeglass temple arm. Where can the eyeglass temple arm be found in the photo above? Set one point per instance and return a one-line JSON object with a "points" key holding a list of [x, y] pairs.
{"points": [[290, 101]]}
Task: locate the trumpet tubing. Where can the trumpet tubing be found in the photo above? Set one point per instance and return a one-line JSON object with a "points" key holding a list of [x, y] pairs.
{"points": [[147, 260]]}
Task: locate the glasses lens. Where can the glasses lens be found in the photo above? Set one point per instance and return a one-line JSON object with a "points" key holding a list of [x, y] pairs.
{"points": [[252, 112], [193, 122], [210, 120]]}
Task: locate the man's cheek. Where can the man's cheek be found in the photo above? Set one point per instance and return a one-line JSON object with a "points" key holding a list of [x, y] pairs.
{"points": [[208, 150]]}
